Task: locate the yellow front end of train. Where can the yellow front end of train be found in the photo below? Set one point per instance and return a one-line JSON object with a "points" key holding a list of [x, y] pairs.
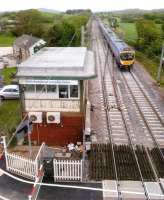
{"points": [[127, 59]]}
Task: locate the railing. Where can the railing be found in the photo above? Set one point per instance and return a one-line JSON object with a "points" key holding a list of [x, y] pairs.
{"points": [[21, 166], [68, 170]]}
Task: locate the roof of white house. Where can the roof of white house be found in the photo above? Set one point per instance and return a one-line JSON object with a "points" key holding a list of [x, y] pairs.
{"points": [[59, 63], [26, 41]]}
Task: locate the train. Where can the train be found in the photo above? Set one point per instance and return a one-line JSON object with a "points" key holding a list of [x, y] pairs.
{"points": [[124, 55]]}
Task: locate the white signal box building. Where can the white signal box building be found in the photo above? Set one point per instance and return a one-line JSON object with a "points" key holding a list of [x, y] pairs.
{"points": [[53, 85]]}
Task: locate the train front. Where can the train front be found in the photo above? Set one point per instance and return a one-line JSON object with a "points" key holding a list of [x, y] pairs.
{"points": [[127, 59]]}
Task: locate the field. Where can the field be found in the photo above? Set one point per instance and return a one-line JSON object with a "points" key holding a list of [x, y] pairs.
{"points": [[129, 31], [6, 40]]}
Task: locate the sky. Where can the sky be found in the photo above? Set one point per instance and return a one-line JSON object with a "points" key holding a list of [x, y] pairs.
{"points": [[94, 5]]}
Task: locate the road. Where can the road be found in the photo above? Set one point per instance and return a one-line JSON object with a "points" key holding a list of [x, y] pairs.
{"points": [[14, 190], [54, 193]]}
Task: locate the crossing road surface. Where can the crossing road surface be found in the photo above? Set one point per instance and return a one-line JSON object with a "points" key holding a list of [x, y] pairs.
{"points": [[11, 189], [55, 193]]}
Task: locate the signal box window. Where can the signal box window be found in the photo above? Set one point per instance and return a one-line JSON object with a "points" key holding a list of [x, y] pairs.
{"points": [[30, 88], [40, 88], [51, 88], [63, 91], [73, 91]]}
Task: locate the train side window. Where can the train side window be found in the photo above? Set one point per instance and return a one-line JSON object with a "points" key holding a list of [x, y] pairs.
{"points": [[63, 91], [51, 88], [74, 91]]}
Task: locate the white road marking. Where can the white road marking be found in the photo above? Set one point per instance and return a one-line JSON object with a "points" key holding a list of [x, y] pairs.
{"points": [[1, 173], [3, 198]]}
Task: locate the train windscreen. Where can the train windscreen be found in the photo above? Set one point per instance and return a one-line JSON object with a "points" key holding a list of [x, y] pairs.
{"points": [[127, 56]]}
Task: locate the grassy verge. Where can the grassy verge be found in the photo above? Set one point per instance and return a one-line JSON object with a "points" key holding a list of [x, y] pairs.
{"points": [[10, 112], [6, 40], [7, 74], [10, 117]]}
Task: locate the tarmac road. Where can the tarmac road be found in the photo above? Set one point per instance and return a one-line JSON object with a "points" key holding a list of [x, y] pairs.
{"points": [[54, 193], [11, 189]]}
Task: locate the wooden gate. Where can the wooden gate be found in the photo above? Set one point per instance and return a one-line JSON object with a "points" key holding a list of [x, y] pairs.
{"points": [[68, 170], [21, 166]]}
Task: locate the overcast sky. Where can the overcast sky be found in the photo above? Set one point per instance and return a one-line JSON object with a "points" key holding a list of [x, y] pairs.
{"points": [[95, 5]]}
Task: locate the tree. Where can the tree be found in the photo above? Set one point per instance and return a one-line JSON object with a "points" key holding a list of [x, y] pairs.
{"points": [[29, 22], [67, 31], [60, 34], [149, 37]]}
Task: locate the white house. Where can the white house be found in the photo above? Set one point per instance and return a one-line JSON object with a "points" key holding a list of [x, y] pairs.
{"points": [[25, 46]]}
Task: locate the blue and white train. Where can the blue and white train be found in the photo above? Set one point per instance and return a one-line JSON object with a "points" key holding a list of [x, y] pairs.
{"points": [[123, 54]]}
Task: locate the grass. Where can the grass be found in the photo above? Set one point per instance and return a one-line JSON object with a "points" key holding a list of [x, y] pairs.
{"points": [[10, 112], [150, 65], [129, 31], [6, 73], [6, 40], [10, 116]]}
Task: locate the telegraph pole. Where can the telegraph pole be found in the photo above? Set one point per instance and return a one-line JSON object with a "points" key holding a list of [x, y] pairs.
{"points": [[82, 36], [160, 65]]}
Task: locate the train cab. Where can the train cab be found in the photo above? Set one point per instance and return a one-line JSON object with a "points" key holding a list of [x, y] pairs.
{"points": [[53, 87]]}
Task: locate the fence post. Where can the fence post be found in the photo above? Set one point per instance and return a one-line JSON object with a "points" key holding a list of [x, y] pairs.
{"points": [[160, 66], [82, 36], [81, 164]]}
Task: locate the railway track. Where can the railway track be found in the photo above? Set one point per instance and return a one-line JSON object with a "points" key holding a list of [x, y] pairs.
{"points": [[104, 103], [147, 111], [118, 124], [129, 132], [150, 119]]}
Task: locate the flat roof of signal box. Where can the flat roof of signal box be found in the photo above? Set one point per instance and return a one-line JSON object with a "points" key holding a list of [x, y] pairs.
{"points": [[59, 63]]}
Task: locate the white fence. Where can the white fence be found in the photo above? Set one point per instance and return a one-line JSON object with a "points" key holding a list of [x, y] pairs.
{"points": [[24, 166], [68, 170], [21, 166]]}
